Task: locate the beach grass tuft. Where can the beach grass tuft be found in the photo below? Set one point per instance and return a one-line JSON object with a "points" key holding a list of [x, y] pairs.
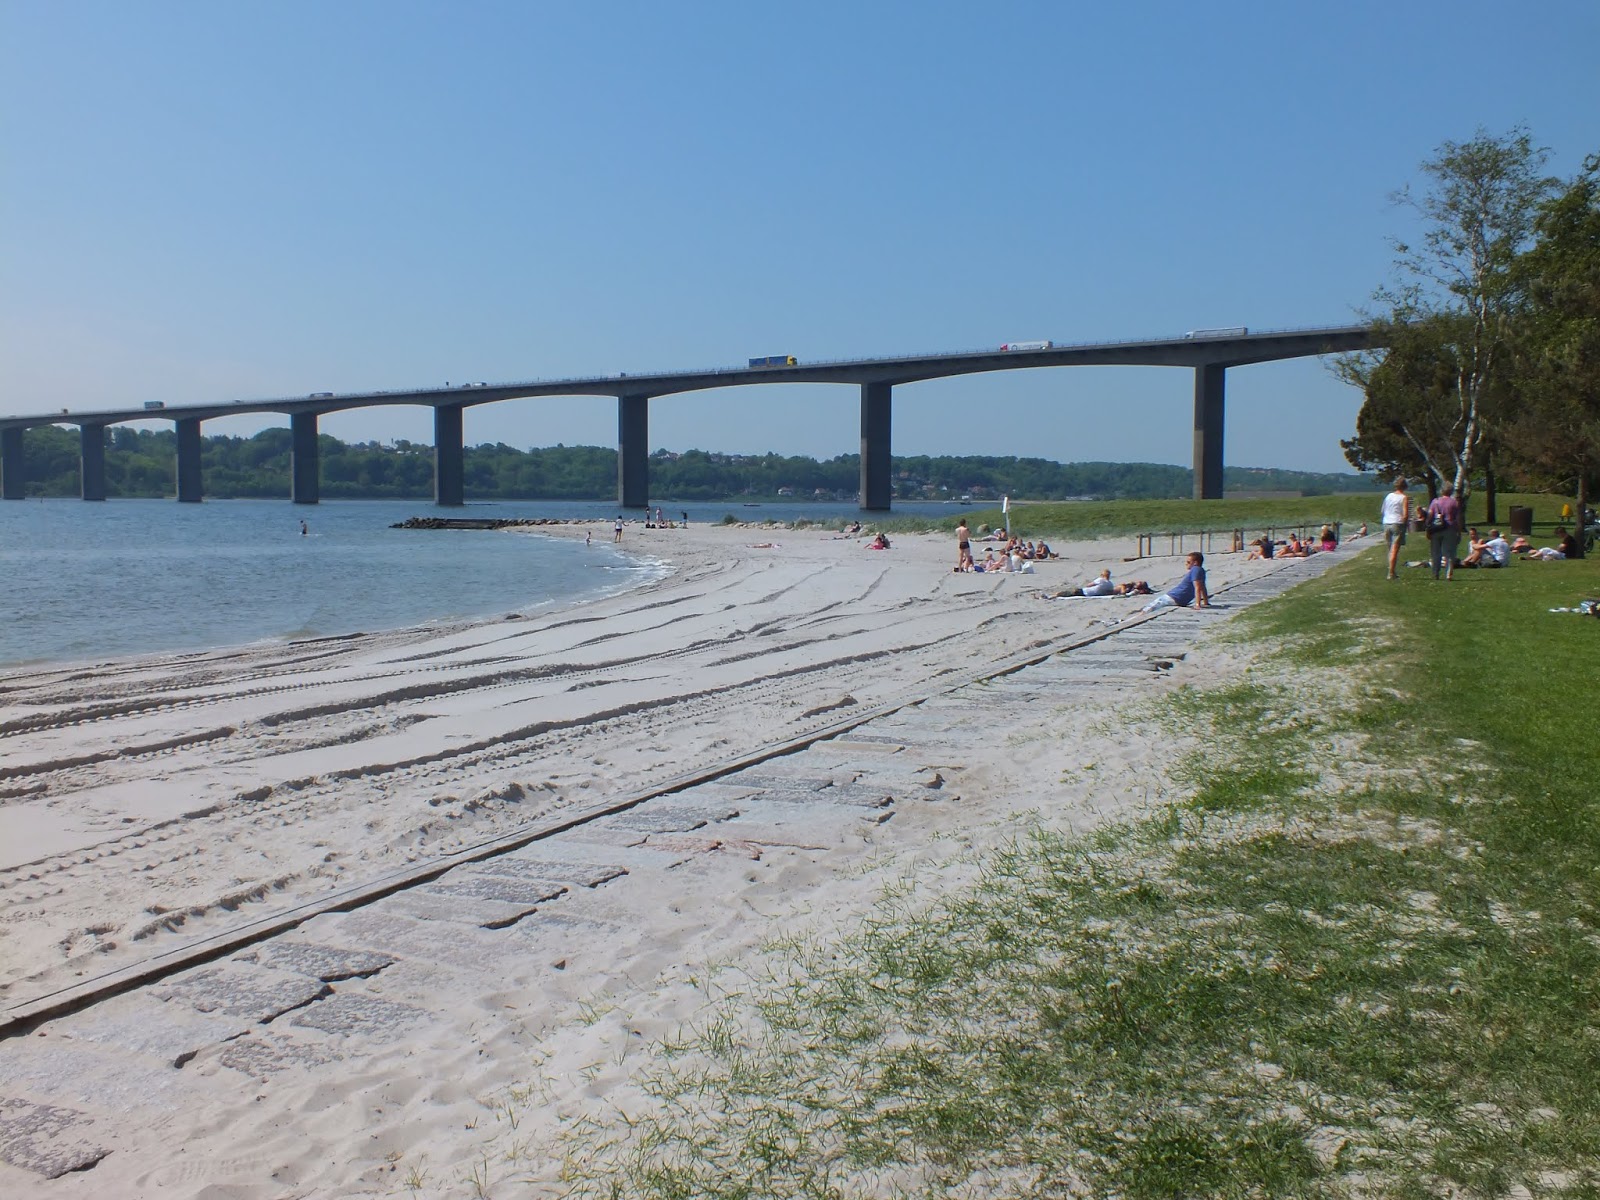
{"points": [[1359, 955]]}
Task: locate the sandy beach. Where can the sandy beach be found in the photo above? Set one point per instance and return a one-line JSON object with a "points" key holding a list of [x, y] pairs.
{"points": [[502, 860]]}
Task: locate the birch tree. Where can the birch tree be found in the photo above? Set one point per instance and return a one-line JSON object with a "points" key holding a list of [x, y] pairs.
{"points": [[1452, 301]]}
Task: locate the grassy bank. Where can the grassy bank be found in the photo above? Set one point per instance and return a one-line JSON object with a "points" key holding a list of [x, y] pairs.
{"points": [[1359, 956], [1107, 518]]}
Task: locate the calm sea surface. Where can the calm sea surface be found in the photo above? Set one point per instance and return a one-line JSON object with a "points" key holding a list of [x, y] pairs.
{"points": [[87, 581]]}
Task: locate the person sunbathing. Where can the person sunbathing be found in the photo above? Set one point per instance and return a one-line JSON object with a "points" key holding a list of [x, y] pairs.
{"points": [[1566, 546], [1101, 585], [1134, 587], [1260, 548]]}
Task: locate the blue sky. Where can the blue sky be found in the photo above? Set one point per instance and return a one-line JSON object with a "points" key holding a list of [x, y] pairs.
{"points": [[209, 202]]}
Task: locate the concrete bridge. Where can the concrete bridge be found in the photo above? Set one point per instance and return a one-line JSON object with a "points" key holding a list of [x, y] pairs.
{"points": [[1209, 355]]}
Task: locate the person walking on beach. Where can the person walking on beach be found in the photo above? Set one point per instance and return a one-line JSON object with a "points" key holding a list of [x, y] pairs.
{"points": [[1395, 517], [1444, 531], [963, 547], [618, 536]]}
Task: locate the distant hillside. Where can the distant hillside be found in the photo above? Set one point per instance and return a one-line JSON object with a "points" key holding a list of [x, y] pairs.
{"points": [[140, 463]]}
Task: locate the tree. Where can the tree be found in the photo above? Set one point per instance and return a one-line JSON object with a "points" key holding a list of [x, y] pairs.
{"points": [[1449, 313], [1557, 428]]}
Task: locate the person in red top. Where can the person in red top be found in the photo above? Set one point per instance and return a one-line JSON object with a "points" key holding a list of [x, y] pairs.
{"points": [[1444, 531]]}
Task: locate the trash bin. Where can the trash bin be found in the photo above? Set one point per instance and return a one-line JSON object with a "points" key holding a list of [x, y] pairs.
{"points": [[1521, 521]]}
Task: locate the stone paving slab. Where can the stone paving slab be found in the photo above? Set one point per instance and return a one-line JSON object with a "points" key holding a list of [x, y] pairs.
{"points": [[859, 795], [793, 797], [327, 963], [578, 874], [46, 1139], [346, 1014], [508, 889], [383, 928], [445, 911], [627, 844], [795, 835], [241, 991], [262, 1057], [650, 818], [903, 784], [586, 846], [785, 783], [168, 1033], [65, 1071]]}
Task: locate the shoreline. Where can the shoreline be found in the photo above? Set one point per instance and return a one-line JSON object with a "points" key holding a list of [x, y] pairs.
{"points": [[167, 799]]}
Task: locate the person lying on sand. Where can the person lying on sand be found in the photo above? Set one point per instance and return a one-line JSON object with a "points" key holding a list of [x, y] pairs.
{"points": [[1099, 586]]}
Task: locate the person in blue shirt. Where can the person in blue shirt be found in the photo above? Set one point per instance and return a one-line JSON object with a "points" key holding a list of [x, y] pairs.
{"points": [[1191, 589]]}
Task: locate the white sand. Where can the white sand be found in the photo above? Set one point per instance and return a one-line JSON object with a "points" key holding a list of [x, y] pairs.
{"points": [[146, 804]]}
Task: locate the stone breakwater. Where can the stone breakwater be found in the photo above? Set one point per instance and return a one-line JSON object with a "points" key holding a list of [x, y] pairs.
{"points": [[478, 522]]}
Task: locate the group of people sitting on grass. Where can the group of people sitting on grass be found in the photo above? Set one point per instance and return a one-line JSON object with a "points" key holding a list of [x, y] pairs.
{"points": [[1495, 551]]}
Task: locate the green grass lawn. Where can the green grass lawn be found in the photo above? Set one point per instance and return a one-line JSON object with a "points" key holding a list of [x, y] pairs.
{"points": [[1360, 955], [1106, 518]]}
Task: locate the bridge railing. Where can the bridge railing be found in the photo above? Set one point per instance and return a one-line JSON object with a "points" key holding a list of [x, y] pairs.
{"points": [[679, 372]]}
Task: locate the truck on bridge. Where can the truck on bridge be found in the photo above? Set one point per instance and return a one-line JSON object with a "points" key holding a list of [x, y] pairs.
{"points": [[1041, 345], [774, 360], [1229, 331]]}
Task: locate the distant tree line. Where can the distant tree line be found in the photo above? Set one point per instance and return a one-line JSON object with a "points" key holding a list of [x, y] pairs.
{"points": [[141, 463]]}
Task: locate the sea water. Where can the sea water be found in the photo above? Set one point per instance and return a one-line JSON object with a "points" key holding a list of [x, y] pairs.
{"points": [[84, 581]]}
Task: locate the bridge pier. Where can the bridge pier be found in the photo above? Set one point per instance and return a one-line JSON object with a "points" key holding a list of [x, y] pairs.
{"points": [[92, 462], [12, 485], [303, 461], [877, 488], [189, 460], [633, 451], [449, 458], [1209, 389]]}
